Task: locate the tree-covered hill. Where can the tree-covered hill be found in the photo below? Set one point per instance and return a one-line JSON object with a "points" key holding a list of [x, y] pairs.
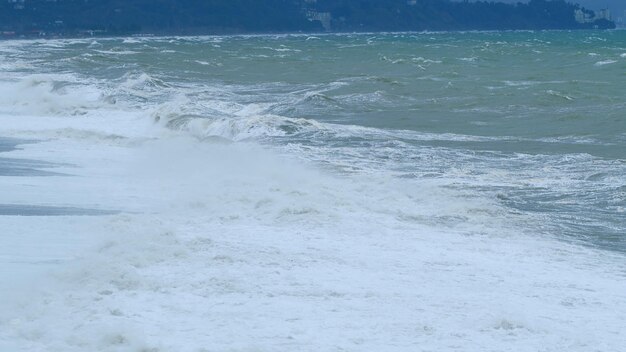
{"points": [[446, 15], [160, 16], [117, 17]]}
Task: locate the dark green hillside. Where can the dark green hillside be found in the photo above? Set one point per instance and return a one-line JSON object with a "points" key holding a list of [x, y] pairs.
{"points": [[121, 17]]}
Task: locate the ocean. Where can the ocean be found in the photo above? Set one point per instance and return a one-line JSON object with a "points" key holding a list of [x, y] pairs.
{"points": [[453, 191]]}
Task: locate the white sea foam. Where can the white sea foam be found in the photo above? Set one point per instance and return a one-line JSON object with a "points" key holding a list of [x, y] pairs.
{"points": [[232, 245], [48, 94], [604, 62], [559, 94], [426, 61], [117, 52]]}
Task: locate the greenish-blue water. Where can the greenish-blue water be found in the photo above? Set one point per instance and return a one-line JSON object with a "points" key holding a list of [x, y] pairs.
{"points": [[534, 121]]}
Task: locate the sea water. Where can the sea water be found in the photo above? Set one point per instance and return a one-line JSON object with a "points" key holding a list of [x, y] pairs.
{"points": [[360, 192]]}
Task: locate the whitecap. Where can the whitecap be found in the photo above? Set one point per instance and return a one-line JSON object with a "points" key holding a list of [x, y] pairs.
{"points": [[426, 61], [605, 62], [117, 52], [560, 95]]}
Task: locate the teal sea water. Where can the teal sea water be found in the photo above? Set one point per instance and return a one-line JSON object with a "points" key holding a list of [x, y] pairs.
{"points": [[536, 120]]}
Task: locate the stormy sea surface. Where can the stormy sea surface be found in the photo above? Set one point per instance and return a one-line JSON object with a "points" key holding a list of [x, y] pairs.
{"points": [[366, 192]]}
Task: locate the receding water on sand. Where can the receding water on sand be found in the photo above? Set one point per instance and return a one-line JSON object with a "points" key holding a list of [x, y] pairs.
{"points": [[42, 210]]}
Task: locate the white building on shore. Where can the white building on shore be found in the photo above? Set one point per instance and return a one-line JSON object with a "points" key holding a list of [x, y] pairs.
{"points": [[585, 17]]}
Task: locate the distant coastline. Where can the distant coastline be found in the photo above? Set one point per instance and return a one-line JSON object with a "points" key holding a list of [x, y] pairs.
{"points": [[109, 18]]}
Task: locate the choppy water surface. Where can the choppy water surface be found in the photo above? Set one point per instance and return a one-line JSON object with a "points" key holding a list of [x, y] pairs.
{"points": [[535, 120]]}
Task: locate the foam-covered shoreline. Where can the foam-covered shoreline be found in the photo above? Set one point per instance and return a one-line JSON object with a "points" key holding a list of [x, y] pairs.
{"points": [[230, 254]]}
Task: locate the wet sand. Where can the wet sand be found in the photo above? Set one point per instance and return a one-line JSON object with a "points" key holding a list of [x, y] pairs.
{"points": [[16, 167]]}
